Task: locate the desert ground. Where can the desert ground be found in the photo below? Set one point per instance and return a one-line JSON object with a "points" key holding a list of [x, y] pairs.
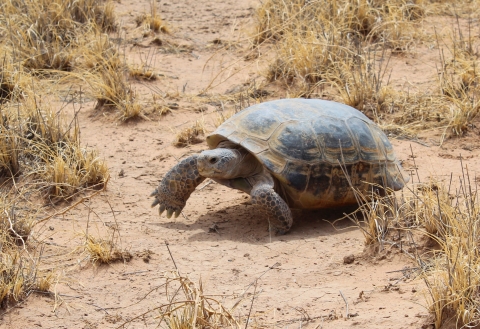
{"points": [[295, 280]]}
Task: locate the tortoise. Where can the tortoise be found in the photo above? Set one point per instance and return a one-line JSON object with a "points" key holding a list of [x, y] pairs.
{"points": [[289, 153]]}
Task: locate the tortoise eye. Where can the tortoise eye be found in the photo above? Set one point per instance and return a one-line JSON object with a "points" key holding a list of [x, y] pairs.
{"points": [[213, 160]]}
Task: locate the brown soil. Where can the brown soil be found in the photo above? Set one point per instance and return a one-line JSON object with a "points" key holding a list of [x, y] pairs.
{"points": [[220, 238]]}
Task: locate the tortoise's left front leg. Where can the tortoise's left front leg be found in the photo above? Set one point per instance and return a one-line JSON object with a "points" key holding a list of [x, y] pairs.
{"points": [[176, 186]]}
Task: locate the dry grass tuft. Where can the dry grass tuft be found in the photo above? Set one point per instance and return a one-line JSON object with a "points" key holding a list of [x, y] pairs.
{"points": [[459, 81], [336, 44], [447, 216], [361, 84], [223, 116], [13, 81], [73, 169], [379, 214], [194, 308], [111, 89], [68, 36], [314, 36], [190, 135], [106, 74], [452, 220], [9, 153], [104, 251], [152, 21], [45, 149], [384, 21], [161, 107], [459, 8], [48, 32], [142, 73], [19, 274], [43, 146], [188, 306]]}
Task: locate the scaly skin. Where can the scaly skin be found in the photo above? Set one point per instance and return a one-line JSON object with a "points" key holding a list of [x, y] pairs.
{"points": [[273, 207], [176, 186]]}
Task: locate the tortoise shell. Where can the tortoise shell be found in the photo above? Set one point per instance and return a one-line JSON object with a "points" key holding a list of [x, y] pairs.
{"points": [[313, 148]]}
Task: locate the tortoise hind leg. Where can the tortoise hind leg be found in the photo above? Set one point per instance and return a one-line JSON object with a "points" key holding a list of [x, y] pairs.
{"points": [[176, 186], [274, 208]]}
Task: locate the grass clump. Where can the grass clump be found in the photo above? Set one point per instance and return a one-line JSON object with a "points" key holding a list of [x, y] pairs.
{"points": [[42, 146], [104, 251], [318, 43], [19, 273], [459, 80], [106, 75], [186, 305], [13, 81], [371, 20], [190, 135], [56, 36], [452, 221], [152, 21], [19, 276], [72, 169], [194, 308], [112, 90], [48, 33], [142, 73], [9, 153], [448, 219]]}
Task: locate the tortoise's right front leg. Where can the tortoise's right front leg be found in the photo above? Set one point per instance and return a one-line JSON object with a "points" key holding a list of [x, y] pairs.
{"points": [[176, 186], [274, 208]]}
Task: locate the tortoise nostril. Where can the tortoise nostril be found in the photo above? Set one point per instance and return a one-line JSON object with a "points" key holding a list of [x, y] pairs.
{"points": [[213, 160]]}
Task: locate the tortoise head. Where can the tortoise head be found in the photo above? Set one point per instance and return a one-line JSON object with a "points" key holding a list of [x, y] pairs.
{"points": [[219, 163], [226, 163]]}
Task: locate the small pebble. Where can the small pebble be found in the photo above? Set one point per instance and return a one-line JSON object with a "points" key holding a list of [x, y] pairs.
{"points": [[349, 259]]}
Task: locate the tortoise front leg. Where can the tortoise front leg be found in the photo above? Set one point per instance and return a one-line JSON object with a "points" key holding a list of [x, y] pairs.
{"points": [[176, 186], [273, 207]]}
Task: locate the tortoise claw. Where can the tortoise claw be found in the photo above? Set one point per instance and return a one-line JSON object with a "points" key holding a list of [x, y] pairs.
{"points": [[177, 213], [155, 202], [161, 209], [169, 213], [155, 192]]}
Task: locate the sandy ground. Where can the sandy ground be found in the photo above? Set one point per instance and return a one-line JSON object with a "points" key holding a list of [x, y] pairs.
{"points": [[308, 276]]}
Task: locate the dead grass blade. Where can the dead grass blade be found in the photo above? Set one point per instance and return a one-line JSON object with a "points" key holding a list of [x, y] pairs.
{"points": [[187, 306]]}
